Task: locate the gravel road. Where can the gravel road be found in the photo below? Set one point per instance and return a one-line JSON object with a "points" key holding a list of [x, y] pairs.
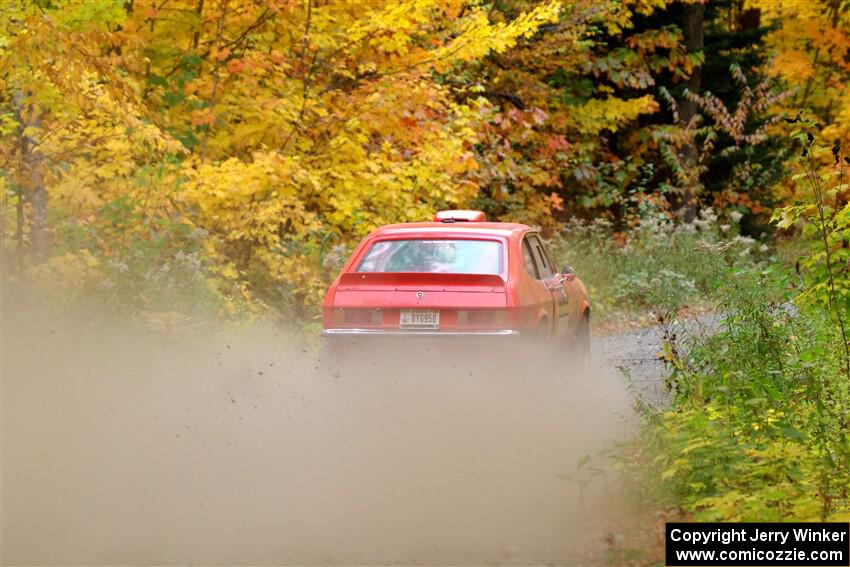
{"points": [[635, 353]]}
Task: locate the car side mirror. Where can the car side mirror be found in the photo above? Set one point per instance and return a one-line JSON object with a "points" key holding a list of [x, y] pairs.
{"points": [[569, 273]]}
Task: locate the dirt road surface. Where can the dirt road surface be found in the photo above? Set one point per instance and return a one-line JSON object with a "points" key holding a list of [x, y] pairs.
{"points": [[120, 446]]}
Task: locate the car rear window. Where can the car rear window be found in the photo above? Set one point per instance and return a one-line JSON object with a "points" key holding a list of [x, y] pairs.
{"points": [[460, 256]]}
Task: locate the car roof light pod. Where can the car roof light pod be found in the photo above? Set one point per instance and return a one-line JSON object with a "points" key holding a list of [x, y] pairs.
{"points": [[460, 216]]}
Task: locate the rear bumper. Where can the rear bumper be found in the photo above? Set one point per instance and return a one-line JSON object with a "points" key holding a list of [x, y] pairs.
{"points": [[416, 333]]}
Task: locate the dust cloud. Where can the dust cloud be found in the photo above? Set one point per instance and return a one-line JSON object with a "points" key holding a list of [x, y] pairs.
{"points": [[124, 446]]}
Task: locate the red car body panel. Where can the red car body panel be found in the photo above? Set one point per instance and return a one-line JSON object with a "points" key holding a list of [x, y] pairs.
{"points": [[511, 302]]}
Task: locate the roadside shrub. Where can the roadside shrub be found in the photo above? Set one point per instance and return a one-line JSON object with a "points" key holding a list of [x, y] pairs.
{"points": [[660, 266], [147, 267], [758, 422], [665, 288], [757, 425]]}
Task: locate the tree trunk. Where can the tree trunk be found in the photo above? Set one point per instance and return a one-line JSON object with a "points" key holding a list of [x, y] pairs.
{"points": [[38, 198], [32, 182], [693, 30]]}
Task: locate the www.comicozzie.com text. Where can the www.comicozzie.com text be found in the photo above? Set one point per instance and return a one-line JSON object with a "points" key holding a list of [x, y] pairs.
{"points": [[743, 534]]}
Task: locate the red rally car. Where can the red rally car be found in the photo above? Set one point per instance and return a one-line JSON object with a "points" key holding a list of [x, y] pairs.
{"points": [[457, 276]]}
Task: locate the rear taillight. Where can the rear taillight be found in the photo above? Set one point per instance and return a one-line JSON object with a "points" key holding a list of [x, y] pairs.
{"points": [[481, 317], [358, 316]]}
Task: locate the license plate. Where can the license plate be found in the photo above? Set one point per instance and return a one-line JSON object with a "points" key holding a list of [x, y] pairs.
{"points": [[419, 319]]}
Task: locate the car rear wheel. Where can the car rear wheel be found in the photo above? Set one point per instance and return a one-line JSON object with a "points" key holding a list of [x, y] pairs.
{"points": [[542, 330], [580, 346]]}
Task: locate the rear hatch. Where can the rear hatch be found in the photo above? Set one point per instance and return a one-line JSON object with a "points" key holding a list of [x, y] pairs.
{"points": [[419, 301]]}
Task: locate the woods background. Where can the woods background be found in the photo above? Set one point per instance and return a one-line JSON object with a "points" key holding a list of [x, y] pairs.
{"points": [[189, 156]]}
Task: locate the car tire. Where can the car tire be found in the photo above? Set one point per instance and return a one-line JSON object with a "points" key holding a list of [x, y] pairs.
{"points": [[580, 346], [541, 331]]}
